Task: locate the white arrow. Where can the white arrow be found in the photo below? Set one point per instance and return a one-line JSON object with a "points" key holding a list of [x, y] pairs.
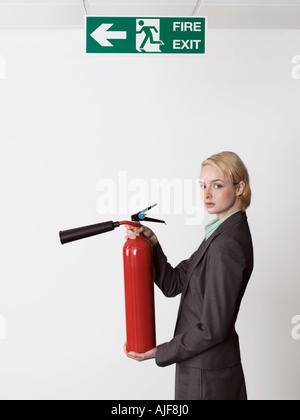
{"points": [[101, 35]]}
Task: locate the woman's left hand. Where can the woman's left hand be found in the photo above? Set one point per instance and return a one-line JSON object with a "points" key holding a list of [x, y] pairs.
{"points": [[140, 356]]}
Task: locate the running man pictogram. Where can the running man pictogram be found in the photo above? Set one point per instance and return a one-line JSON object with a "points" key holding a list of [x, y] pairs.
{"points": [[149, 31]]}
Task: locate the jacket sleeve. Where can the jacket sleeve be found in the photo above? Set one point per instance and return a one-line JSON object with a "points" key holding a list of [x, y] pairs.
{"points": [[170, 280], [223, 291]]}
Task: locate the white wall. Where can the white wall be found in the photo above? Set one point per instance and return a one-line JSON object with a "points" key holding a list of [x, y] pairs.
{"points": [[67, 121]]}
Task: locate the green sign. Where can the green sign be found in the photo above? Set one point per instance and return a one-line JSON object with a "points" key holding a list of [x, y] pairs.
{"points": [[140, 35]]}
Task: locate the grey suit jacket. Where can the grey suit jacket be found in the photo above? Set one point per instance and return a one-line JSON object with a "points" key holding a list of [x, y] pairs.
{"points": [[212, 283]]}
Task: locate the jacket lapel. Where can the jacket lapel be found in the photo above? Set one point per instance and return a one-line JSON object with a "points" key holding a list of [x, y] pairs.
{"points": [[198, 256], [235, 218]]}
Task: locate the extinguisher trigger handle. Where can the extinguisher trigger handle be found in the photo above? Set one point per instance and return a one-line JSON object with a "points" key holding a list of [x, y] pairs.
{"points": [[141, 216], [150, 219]]}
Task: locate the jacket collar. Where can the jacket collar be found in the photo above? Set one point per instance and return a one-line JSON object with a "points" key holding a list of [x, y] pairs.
{"points": [[238, 217]]}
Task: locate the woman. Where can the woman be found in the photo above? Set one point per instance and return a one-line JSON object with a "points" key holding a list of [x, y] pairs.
{"points": [[212, 282]]}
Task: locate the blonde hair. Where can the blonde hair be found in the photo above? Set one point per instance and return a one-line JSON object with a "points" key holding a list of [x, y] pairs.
{"points": [[232, 166]]}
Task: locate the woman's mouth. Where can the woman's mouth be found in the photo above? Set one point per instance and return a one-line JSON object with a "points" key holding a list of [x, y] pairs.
{"points": [[209, 204]]}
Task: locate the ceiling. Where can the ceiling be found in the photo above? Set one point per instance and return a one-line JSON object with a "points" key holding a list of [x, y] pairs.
{"points": [[227, 14]]}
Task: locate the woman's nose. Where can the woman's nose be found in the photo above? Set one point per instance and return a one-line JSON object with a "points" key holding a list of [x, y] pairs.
{"points": [[208, 192]]}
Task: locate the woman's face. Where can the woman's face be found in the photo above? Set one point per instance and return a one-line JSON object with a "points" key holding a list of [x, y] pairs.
{"points": [[218, 193]]}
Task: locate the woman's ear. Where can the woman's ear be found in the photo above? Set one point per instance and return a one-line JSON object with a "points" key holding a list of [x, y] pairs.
{"points": [[240, 188]]}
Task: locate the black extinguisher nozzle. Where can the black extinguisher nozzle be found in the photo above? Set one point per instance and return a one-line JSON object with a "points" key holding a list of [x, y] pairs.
{"points": [[86, 231]]}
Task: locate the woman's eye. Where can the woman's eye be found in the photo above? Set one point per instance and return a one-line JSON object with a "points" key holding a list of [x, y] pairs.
{"points": [[202, 187], [218, 186]]}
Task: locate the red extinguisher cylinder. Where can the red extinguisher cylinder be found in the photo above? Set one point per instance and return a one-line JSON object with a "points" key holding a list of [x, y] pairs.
{"points": [[139, 295]]}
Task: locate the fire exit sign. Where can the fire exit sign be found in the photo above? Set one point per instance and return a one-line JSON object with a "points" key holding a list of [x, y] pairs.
{"points": [[145, 35]]}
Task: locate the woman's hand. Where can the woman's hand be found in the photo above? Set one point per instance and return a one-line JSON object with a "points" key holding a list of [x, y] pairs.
{"points": [[140, 356], [133, 232]]}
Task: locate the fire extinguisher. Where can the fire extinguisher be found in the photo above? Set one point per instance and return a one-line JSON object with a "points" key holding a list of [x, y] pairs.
{"points": [[138, 279]]}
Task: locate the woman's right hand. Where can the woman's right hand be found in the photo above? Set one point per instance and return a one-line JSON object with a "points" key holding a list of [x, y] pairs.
{"points": [[133, 232]]}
